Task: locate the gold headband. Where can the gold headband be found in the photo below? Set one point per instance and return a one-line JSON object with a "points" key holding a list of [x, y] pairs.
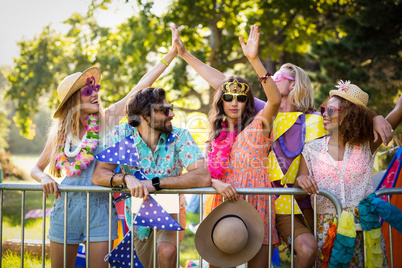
{"points": [[242, 87]]}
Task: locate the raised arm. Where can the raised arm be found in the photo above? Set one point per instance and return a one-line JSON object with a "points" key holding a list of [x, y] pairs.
{"points": [[271, 108], [208, 73], [395, 116], [114, 113]]}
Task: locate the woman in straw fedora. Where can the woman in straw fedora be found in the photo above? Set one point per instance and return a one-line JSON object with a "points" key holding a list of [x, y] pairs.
{"points": [[342, 161], [74, 139]]}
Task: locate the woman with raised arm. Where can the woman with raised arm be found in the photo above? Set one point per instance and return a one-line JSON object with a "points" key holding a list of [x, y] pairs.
{"points": [[74, 139], [240, 141]]}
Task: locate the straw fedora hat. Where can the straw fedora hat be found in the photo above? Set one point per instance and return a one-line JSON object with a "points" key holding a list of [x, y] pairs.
{"points": [[351, 93], [232, 234], [72, 83]]}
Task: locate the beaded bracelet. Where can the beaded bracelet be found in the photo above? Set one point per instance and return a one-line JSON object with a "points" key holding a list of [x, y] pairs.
{"points": [[165, 62], [111, 179], [124, 184], [264, 78]]}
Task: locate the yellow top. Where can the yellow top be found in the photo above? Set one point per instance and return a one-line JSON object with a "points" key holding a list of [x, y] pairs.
{"points": [[283, 122]]}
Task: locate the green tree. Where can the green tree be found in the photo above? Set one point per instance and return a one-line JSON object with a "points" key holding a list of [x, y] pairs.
{"points": [[368, 53], [4, 121]]}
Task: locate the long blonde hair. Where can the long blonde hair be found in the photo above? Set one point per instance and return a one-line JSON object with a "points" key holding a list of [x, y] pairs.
{"points": [[302, 95], [69, 121]]}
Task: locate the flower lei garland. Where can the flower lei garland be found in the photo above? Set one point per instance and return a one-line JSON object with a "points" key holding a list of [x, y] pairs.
{"points": [[218, 157], [85, 156]]}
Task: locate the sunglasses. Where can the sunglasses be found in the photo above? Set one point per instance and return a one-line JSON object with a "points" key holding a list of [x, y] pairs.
{"points": [[88, 91], [165, 109], [329, 109], [229, 97], [91, 83], [279, 76]]}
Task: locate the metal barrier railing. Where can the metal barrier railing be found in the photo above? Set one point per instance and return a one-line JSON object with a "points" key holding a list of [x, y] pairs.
{"points": [[99, 189]]}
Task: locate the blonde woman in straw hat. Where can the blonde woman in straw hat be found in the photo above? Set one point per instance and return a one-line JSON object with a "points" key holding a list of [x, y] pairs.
{"points": [[342, 161], [74, 139]]}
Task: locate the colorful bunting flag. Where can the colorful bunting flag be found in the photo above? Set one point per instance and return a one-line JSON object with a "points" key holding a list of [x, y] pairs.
{"points": [[151, 214]]}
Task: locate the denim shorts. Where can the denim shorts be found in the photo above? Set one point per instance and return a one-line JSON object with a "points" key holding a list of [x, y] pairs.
{"points": [[76, 222]]}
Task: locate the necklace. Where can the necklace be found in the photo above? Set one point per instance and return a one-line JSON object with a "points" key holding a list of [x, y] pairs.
{"points": [[84, 151], [218, 157]]}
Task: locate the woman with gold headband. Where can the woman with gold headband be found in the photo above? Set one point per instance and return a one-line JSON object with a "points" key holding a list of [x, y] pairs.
{"points": [[72, 143], [240, 140]]}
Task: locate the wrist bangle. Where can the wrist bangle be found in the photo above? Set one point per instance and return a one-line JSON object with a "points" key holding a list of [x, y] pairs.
{"points": [[124, 184], [165, 62], [264, 78], [111, 179]]}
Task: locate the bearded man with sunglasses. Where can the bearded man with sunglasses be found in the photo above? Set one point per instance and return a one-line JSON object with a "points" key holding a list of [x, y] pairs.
{"points": [[163, 152]]}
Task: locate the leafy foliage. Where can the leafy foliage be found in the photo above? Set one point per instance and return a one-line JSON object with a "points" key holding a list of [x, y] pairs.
{"points": [[330, 39]]}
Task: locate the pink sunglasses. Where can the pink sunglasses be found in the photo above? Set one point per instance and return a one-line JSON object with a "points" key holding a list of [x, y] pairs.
{"points": [[279, 75]]}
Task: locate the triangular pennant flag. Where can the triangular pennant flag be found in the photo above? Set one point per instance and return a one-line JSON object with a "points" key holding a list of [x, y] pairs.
{"points": [[120, 256], [151, 214], [123, 152], [139, 174]]}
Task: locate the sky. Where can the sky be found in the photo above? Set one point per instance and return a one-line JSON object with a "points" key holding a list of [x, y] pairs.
{"points": [[24, 19]]}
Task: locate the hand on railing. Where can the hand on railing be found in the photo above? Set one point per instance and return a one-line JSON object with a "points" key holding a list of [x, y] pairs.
{"points": [[139, 189], [226, 190], [308, 184], [49, 186]]}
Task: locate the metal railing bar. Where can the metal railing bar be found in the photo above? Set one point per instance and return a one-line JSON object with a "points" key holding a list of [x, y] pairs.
{"points": [[43, 229], [22, 227], [87, 246], [315, 221], [270, 231], [200, 191], [1, 227], [155, 249], [201, 218], [110, 223], [65, 229], [178, 240], [292, 230], [132, 240]]}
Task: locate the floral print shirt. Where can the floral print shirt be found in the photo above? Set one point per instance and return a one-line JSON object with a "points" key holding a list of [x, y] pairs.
{"points": [[169, 158]]}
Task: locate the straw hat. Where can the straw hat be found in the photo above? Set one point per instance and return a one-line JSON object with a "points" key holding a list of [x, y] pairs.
{"points": [[72, 83], [232, 234], [351, 93]]}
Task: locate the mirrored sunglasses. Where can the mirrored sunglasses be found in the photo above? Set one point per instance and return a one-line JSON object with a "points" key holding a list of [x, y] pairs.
{"points": [[165, 109], [229, 97], [329, 109], [279, 75]]}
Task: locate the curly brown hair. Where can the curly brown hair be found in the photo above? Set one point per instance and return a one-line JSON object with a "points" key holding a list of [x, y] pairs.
{"points": [[355, 122], [217, 114], [142, 103]]}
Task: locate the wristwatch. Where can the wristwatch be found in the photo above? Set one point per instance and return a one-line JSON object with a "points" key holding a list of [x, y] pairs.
{"points": [[156, 183]]}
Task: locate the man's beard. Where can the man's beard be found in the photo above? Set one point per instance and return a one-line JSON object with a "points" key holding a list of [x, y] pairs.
{"points": [[160, 125]]}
